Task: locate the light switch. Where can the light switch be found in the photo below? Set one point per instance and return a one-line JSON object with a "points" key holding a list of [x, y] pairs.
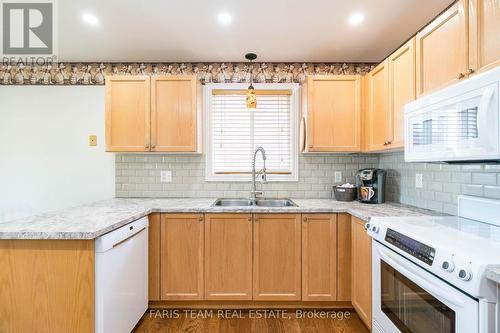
{"points": [[165, 176], [92, 140]]}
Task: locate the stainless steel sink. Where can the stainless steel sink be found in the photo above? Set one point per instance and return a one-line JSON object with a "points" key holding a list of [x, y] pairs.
{"points": [[233, 202], [258, 202], [275, 203]]}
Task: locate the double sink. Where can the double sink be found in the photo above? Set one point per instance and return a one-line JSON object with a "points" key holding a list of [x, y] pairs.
{"points": [[256, 202]]}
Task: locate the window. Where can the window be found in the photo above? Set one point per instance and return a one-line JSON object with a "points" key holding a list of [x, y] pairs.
{"points": [[233, 131]]}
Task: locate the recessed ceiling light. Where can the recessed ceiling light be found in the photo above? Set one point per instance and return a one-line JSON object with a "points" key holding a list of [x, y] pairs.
{"points": [[90, 19], [356, 18], [224, 18]]}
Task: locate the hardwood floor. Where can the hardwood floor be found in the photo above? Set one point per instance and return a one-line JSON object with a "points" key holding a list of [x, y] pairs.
{"points": [[205, 321]]}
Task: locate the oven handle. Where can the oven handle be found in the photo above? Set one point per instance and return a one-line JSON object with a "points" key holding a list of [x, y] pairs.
{"points": [[417, 277]]}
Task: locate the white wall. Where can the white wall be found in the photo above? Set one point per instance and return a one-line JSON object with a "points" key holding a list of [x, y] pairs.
{"points": [[45, 161]]}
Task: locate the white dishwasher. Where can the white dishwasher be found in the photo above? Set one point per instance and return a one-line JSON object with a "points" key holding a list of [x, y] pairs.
{"points": [[121, 278]]}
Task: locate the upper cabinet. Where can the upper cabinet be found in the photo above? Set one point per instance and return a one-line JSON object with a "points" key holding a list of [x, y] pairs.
{"points": [[152, 113], [333, 113], [378, 111], [484, 35], [442, 49], [401, 91], [173, 113], [127, 113]]}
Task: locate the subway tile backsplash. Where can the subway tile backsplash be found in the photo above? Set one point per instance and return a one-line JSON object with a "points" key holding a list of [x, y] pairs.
{"points": [[442, 183], [138, 175]]}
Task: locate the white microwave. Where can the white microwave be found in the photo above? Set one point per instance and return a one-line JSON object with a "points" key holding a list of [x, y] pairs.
{"points": [[459, 123]]}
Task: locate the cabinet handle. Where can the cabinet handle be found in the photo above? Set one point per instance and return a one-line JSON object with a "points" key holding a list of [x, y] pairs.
{"points": [[249, 219], [460, 76], [256, 220], [470, 71], [200, 219], [305, 219]]}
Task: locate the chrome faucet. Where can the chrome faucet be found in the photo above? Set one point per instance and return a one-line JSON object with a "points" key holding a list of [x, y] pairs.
{"points": [[254, 193]]}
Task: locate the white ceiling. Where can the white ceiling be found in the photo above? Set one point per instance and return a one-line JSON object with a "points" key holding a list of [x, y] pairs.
{"points": [[277, 30]]}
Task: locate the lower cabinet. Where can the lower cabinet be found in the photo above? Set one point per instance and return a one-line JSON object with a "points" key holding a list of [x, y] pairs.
{"points": [[361, 287], [277, 257], [154, 262], [319, 257], [181, 257], [228, 256], [261, 257]]}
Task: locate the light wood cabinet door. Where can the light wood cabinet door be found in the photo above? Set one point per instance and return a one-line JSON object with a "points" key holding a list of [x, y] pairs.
{"points": [[484, 35], [401, 90], [442, 50], [344, 257], [378, 110], [361, 288], [277, 257], [173, 113], [127, 113], [333, 113], [154, 260], [181, 256], [228, 256], [319, 257]]}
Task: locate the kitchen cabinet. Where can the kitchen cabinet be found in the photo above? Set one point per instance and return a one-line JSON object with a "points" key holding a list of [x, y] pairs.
{"points": [[378, 111], [154, 261], [401, 91], [484, 36], [333, 113], [181, 256], [361, 287], [155, 113], [173, 113], [47, 285], [442, 49], [228, 256], [277, 257], [127, 113], [319, 257], [344, 257]]}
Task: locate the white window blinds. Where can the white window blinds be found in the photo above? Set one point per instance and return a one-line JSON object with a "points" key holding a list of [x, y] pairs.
{"points": [[236, 131]]}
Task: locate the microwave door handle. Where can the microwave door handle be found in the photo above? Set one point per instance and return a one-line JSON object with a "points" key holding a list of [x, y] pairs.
{"points": [[482, 114], [402, 267]]}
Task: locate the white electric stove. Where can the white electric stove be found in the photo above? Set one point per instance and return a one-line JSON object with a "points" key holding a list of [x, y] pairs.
{"points": [[429, 272]]}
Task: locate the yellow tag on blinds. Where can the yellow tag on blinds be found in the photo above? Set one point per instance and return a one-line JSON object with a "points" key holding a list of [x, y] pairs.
{"points": [[237, 131]]}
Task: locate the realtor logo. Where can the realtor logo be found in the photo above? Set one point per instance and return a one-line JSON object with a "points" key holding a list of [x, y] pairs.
{"points": [[28, 28]]}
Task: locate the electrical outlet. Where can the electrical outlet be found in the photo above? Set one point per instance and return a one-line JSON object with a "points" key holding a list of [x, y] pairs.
{"points": [[419, 180], [338, 176], [165, 176]]}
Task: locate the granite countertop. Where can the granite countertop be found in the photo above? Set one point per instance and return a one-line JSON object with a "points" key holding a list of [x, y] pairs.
{"points": [[95, 219]]}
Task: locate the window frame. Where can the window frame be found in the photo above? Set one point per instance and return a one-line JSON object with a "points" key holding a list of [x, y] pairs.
{"points": [[294, 123]]}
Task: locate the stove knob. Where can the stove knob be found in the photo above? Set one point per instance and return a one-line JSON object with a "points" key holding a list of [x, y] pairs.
{"points": [[448, 265], [375, 229], [465, 274], [367, 226]]}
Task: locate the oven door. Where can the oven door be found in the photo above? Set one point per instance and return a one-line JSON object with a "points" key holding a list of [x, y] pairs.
{"points": [[408, 299]]}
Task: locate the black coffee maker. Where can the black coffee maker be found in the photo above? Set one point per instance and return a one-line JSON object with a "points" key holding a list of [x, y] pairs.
{"points": [[371, 185]]}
